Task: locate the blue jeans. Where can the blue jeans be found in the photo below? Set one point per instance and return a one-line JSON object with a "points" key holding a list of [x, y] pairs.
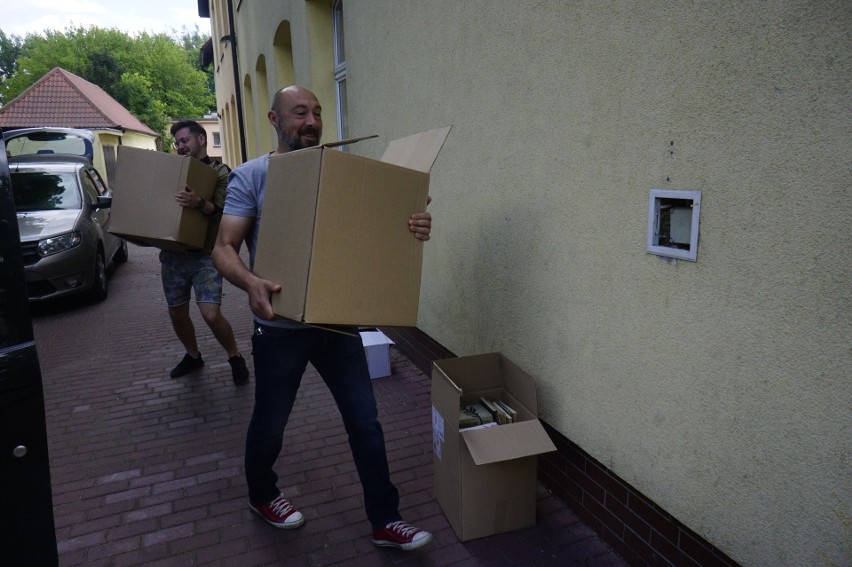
{"points": [[280, 359]]}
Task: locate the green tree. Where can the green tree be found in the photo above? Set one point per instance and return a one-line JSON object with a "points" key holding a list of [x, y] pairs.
{"points": [[135, 91], [154, 76], [10, 49], [193, 42], [104, 70]]}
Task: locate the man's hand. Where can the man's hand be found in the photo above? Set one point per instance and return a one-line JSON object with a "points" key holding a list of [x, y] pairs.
{"points": [[226, 258], [259, 292], [421, 223], [187, 198]]}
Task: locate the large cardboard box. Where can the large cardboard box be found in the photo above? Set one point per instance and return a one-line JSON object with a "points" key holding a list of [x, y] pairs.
{"points": [[334, 232], [144, 209], [485, 479]]}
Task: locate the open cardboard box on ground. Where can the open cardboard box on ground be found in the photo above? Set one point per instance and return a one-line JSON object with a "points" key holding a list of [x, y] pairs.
{"points": [[335, 233], [144, 209], [485, 479]]}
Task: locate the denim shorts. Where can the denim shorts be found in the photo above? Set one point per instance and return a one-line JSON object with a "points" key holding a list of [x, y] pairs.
{"points": [[183, 271]]}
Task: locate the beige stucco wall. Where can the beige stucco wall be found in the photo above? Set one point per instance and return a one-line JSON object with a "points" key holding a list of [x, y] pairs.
{"points": [[720, 388], [260, 68]]}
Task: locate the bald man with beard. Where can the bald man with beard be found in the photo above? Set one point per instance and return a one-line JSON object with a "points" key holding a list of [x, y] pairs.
{"points": [[282, 348]]}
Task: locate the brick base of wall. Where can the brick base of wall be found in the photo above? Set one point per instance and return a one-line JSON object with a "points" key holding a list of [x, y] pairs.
{"points": [[636, 528], [420, 348]]}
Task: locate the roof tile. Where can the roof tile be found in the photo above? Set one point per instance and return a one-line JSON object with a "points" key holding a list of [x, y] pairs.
{"points": [[61, 98]]}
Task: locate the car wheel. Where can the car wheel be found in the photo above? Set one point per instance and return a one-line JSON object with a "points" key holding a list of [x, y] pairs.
{"points": [[99, 287], [121, 254]]}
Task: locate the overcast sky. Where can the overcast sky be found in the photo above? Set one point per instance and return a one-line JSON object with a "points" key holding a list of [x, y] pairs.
{"points": [[20, 17]]}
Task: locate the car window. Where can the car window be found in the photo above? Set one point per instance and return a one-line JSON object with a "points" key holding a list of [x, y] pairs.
{"points": [[47, 142], [45, 191]]}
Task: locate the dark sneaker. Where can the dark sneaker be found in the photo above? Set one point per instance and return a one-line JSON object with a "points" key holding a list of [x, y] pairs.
{"points": [[280, 513], [239, 372], [401, 535], [187, 365]]}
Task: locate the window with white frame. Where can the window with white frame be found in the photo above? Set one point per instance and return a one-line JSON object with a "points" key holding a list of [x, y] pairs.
{"points": [[339, 69], [673, 217]]}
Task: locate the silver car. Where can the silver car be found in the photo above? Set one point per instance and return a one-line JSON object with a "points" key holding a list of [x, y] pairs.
{"points": [[63, 210]]}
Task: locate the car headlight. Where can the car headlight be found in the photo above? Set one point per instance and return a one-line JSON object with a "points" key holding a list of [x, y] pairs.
{"points": [[59, 243]]}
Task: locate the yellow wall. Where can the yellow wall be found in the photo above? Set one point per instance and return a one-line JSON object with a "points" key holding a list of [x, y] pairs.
{"points": [[108, 142], [719, 388], [137, 140], [269, 35]]}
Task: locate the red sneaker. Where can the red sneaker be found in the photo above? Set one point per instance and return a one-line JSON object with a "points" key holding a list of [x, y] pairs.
{"points": [[401, 535], [279, 513]]}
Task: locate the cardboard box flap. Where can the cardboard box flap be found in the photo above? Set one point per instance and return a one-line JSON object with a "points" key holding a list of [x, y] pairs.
{"points": [[348, 141], [361, 229], [505, 442], [471, 373], [417, 152], [519, 384], [289, 265], [436, 368]]}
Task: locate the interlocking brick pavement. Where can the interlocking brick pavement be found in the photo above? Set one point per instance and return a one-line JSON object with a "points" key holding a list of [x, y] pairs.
{"points": [[147, 470]]}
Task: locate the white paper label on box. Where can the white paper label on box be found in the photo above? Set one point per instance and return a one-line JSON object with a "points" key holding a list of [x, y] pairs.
{"points": [[437, 431]]}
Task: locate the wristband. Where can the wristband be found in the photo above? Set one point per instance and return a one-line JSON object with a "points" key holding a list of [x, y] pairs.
{"points": [[200, 205]]}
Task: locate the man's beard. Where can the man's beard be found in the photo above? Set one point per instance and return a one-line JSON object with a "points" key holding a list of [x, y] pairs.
{"points": [[295, 142]]}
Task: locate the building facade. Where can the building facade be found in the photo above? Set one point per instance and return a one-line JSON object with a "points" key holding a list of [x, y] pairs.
{"points": [[702, 405]]}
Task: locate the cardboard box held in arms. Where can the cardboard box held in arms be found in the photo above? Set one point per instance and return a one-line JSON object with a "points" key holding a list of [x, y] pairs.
{"points": [[334, 232], [144, 209], [485, 478]]}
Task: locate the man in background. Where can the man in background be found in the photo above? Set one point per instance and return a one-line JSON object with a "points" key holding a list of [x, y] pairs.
{"points": [[183, 271]]}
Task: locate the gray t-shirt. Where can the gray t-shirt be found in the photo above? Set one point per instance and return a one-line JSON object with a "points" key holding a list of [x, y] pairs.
{"points": [[246, 188]]}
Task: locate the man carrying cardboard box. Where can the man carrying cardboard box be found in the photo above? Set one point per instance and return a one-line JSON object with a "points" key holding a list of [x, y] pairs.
{"points": [[182, 271], [282, 348]]}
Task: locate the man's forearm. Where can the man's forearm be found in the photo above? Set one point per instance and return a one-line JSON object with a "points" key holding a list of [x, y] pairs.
{"points": [[230, 265], [232, 268]]}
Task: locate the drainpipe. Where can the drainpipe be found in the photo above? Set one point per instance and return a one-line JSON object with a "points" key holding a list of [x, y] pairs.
{"points": [[237, 90]]}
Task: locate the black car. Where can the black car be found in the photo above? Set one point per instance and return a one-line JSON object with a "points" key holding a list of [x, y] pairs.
{"points": [[27, 531]]}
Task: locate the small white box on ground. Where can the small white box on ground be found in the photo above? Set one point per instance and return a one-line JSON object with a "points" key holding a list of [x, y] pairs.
{"points": [[377, 349]]}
